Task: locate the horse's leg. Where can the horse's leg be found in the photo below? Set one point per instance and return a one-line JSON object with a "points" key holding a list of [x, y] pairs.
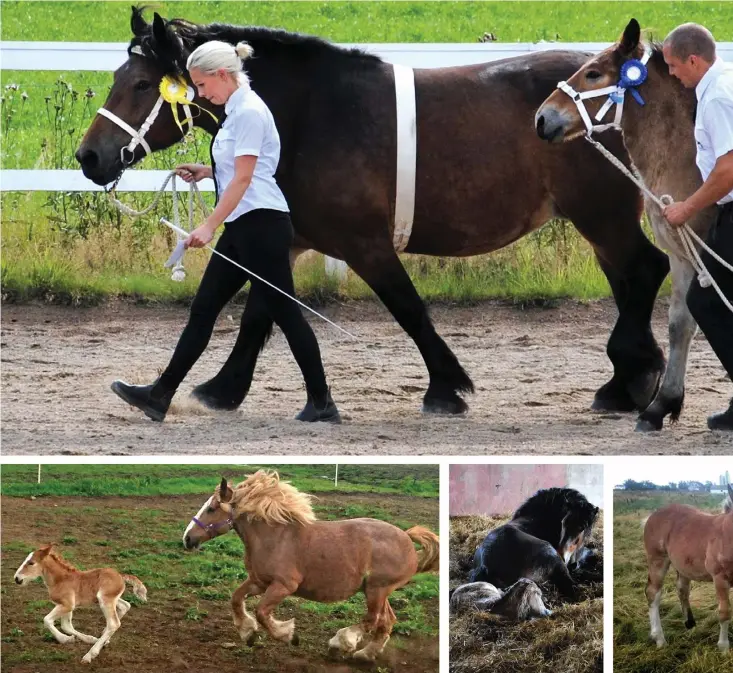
{"points": [[244, 622], [50, 621], [380, 267], [658, 566], [374, 623], [635, 270], [67, 627], [560, 577], [722, 589], [123, 607], [109, 608], [274, 594], [346, 640], [682, 329], [683, 592]]}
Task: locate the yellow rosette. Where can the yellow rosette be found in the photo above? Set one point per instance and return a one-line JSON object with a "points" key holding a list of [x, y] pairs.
{"points": [[176, 92]]}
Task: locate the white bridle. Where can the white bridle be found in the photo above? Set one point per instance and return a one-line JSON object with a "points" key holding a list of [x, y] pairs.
{"points": [[634, 76], [138, 137]]}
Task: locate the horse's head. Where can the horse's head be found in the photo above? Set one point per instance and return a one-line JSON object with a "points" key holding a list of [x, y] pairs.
{"points": [[575, 105], [32, 567], [110, 145], [574, 532], [213, 519]]}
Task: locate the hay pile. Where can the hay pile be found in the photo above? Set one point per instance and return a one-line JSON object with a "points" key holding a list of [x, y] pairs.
{"points": [[571, 641]]}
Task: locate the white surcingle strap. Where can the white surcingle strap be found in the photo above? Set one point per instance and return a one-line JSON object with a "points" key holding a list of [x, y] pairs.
{"points": [[404, 211]]}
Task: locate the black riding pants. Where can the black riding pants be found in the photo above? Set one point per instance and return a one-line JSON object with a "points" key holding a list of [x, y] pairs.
{"points": [[713, 317], [259, 240]]}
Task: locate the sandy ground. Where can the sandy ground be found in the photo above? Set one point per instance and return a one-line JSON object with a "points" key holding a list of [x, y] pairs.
{"points": [[535, 371]]}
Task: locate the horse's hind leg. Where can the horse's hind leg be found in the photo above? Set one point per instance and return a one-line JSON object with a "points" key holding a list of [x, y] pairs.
{"points": [[67, 627], [244, 622], [109, 608], [123, 607], [380, 267], [284, 631], [722, 589], [658, 566], [378, 623], [682, 328], [683, 591]]}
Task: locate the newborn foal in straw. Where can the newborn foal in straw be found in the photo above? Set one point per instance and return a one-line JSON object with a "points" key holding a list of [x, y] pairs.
{"points": [[69, 588]]}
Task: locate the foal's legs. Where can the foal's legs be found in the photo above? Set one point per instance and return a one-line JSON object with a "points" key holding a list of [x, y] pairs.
{"points": [[682, 329], [109, 608], [68, 627], [244, 622], [658, 567], [683, 591], [274, 594], [123, 607], [722, 589], [57, 614]]}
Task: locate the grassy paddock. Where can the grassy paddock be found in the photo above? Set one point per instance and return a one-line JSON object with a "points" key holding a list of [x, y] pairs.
{"points": [[692, 651], [73, 248]]}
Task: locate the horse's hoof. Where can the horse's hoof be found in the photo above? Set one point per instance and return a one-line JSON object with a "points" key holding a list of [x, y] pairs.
{"points": [[252, 639], [647, 425], [690, 623], [208, 400], [452, 407]]}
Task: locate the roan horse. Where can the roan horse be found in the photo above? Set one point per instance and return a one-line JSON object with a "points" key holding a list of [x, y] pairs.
{"points": [[546, 534], [699, 546], [288, 552], [70, 588], [660, 139], [483, 181]]}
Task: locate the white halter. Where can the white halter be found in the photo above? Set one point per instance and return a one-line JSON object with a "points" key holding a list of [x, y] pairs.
{"points": [[616, 94], [138, 137]]}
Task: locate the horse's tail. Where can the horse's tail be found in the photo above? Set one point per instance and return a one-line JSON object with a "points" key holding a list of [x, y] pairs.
{"points": [[428, 556], [138, 588]]}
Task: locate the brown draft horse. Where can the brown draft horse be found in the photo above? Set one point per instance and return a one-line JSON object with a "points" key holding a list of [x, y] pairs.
{"points": [[483, 180], [660, 139], [70, 588], [288, 552], [699, 546]]}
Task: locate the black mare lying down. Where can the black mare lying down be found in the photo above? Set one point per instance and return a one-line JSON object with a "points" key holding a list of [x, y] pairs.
{"points": [[544, 541]]}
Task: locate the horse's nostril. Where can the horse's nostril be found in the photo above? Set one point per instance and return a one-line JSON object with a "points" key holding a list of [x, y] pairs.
{"points": [[541, 126], [18, 580], [87, 158]]}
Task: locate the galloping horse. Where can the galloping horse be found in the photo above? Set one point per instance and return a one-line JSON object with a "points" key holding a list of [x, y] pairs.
{"points": [[660, 139], [546, 534], [288, 552], [483, 180], [699, 546]]}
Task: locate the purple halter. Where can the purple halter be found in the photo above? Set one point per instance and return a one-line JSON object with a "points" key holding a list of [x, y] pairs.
{"points": [[211, 527]]}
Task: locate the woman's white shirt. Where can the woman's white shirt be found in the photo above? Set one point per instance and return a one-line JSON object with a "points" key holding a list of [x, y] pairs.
{"points": [[249, 130]]}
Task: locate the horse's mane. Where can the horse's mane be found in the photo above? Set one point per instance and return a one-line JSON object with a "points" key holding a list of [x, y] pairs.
{"points": [[556, 502], [297, 46], [262, 496], [53, 554]]}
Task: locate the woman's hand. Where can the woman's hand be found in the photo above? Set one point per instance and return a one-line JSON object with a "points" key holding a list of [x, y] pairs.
{"points": [[193, 172], [200, 236]]}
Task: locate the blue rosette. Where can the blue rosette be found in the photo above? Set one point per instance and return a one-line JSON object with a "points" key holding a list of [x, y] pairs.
{"points": [[633, 74]]}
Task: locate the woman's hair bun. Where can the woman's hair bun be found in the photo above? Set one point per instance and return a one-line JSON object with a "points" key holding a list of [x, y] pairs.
{"points": [[244, 51]]}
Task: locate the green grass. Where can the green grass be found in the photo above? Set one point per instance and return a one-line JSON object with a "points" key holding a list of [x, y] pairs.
{"points": [[687, 651], [152, 480], [73, 249]]}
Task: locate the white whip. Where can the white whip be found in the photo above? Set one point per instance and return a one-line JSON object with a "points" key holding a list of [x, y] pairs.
{"points": [[184, 233]]}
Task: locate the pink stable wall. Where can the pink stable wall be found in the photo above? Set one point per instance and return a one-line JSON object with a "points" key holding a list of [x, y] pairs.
{"points": [[499, 489]]}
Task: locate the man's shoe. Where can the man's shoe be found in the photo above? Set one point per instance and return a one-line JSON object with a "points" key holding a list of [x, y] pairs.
{"points": [[153, 403], [326, 414], [723, 420]]}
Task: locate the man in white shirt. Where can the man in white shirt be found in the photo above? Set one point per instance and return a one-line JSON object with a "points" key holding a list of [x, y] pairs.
{"points": [[689, 51]]}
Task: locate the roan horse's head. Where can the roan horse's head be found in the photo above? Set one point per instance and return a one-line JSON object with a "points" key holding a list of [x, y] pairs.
{"points": [[213, 519], [558, 118], [154, 52]]}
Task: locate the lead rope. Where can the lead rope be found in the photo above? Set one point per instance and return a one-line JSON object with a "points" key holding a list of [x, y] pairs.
{"points": [[685, 232], [179, 273]]}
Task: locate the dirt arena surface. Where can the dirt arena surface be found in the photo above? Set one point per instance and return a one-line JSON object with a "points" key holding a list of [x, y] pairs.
{"points": [[535, 372]]}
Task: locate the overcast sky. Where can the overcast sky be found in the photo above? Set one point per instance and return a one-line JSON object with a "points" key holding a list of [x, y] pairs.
{"points": [[662, 470]]}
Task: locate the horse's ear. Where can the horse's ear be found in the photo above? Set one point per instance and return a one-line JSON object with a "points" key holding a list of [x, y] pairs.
{"points": [[46, 549], [630, 39], [138, 24], [160, 31], [225, 493]]}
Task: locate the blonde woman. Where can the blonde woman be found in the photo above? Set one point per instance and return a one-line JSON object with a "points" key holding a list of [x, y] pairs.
{"points": [[257, 233]]}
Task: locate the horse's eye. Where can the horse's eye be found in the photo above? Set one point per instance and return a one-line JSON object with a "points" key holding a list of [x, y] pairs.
{"points": [[31, 563], [142, 85], [593, 74], [210, 510]]}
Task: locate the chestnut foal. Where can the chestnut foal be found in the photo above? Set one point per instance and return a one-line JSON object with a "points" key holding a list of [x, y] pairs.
{"points": [[700, 547], [69, 588]]}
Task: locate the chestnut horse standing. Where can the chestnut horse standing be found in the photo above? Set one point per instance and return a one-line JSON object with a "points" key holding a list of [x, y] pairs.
{"points": [[660, 139], [483, 180], [699, 546], [70, 588], [288, 552]]}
